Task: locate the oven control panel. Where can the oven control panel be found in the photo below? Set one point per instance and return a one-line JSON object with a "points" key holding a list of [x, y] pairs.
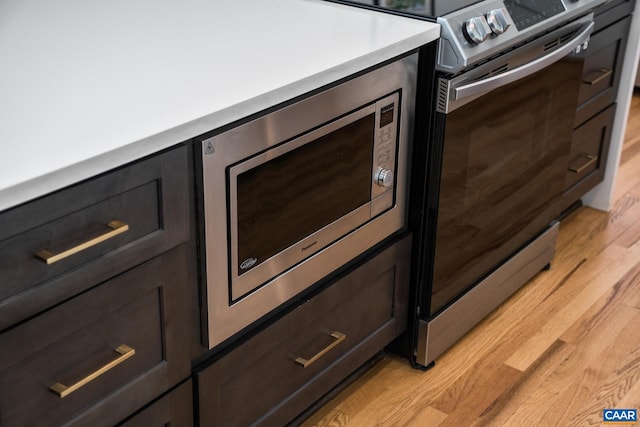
{"points": [[526, 13], [488, 28]]}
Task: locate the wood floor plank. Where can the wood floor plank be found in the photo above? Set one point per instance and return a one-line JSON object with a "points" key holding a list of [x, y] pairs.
{"points": [[626, 291], [596, 277], [622, 383], [509, 402], [584, 370], [612, 351], [462, 401], [418, 417]]}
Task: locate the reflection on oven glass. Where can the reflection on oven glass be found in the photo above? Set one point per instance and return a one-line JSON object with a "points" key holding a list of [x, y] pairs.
{"points": [[504, 162]]}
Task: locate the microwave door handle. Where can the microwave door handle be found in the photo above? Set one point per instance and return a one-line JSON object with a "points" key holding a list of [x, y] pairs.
{"points": [[534, 66]]}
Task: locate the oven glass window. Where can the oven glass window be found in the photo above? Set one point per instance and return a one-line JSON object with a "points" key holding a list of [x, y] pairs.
{"points": [[288, 198], [503, 171]]}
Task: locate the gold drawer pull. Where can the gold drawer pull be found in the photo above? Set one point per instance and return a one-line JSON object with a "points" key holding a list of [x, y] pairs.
{"points": [[117, 227], [590, 159], [596, 76], [64, 390], [339, 336]]}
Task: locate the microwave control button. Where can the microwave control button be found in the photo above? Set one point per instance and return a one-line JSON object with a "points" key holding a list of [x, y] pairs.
{"points": [[384, 177], [476, 29], [497, 21]]}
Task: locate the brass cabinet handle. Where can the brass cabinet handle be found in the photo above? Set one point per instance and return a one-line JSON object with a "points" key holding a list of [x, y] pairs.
{"points": [[117, 227], [64, 390], [339, 337], [590, 159], [596, 76]]}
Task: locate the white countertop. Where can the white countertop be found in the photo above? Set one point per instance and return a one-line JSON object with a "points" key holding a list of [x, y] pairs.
{"points": [[88, 85]]}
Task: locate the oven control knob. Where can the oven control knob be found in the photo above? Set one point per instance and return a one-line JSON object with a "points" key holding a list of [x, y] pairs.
{"points": [[476, 29], [384, 177], [497, 21]]}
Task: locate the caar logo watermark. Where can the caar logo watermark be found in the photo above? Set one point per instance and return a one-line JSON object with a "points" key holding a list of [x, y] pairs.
{"points": [[620, 416]]}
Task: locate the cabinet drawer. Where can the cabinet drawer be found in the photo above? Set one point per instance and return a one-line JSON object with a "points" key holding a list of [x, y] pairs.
{"points": [[57, 246], [173, 409], [589, 152], [602, 65], [278, 373], [97, 358]]}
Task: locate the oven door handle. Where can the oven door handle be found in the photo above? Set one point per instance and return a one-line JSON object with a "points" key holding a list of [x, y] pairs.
{"points": [[534, 66]]}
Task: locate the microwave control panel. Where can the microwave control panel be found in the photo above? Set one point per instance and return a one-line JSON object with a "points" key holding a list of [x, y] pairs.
{"points": [[384, 153]]}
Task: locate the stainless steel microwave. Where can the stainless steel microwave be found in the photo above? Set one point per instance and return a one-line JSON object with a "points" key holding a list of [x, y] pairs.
{"points": [[295, 194]]}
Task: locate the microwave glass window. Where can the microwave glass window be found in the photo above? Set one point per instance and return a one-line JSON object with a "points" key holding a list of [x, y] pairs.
{"points": [[286, 199]]}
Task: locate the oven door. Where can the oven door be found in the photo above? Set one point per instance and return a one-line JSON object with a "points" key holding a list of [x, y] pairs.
{"points": [[504, 159]]}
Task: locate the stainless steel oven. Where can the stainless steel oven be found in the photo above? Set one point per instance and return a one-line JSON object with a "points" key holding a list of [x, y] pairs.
{"points": [[505, 110], [294, 194], [507, 135]]}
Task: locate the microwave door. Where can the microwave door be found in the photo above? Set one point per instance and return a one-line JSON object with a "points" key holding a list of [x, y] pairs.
{"points": [[289, 202]]}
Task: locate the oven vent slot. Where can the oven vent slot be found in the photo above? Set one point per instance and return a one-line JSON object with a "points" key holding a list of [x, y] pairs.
{"points": [[501, 69], [552, 45], [559, 41], [442, 96], [567, 37]]}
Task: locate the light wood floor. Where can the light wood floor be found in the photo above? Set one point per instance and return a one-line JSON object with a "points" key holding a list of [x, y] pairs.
{"points": [[560, 350]]}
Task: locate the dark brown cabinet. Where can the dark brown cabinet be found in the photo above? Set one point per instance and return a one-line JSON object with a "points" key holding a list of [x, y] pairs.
{"points": [[96, 301], [281, 371], [57, 246], [602, 67], [174, 409]]}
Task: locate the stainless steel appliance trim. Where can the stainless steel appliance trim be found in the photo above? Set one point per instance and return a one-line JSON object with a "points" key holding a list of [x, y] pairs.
{"points": [[381, 203], [224, 319], [491, 83], [435, 336]]}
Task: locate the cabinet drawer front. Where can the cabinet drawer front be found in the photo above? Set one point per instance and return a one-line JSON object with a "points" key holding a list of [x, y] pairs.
{"points": [[57, 246], [173, 409], [602, 65], [108, 351], [262, 380], [589, 148]]}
